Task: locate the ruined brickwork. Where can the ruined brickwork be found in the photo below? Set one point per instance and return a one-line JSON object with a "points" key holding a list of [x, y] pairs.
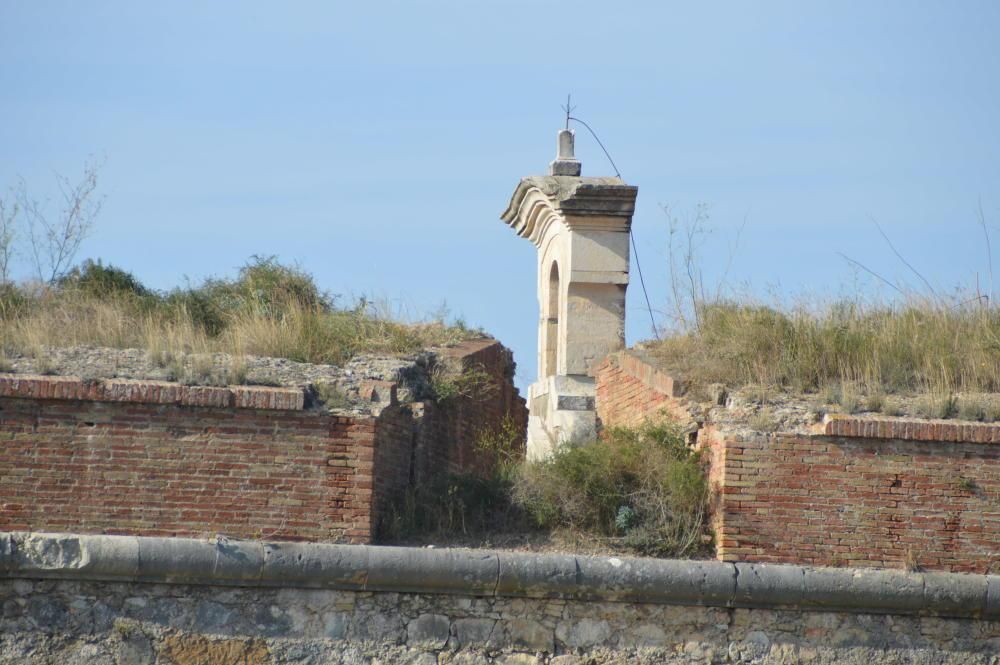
{"points": [[164, 469], [630, 391], [850, 491], [152, 458]]}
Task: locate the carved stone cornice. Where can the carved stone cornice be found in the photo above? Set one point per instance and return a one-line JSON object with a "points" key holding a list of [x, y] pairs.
{"points": [[540, 201]]}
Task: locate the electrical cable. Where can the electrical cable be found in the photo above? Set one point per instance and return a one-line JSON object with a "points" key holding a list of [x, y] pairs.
{"points": [[635, 252]]}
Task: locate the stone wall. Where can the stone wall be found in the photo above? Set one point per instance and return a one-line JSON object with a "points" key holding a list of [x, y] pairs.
{"points": [[429, 608], [849, 491], [154, 458]]}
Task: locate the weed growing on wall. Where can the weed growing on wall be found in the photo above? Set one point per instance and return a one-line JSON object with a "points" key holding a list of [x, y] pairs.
{"points": [[455, 505], [448, 384], [503, 445]]}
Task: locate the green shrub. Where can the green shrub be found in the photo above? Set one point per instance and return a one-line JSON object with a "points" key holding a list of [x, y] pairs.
{"points": [[643, 489], [267, 288], [13, 301], [502, 445], [97, 279], [936, 405], [972, 408], [268, 310]]}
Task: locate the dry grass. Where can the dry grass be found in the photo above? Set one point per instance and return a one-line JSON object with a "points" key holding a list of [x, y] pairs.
{"points": [[270, 310], [920, 346]]}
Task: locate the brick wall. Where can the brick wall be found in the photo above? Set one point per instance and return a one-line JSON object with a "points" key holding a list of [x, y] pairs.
{"points": [[154, 458], [420, 440], [451, 429], [921, 499], [133, 457], [856, 491], [631, 390]]}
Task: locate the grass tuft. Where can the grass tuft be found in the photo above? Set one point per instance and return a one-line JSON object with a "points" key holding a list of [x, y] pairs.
{"points": [[936, 405]]}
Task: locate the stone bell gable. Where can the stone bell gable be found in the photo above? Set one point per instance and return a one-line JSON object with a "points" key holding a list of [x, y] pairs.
{"points": [[580, 229]]}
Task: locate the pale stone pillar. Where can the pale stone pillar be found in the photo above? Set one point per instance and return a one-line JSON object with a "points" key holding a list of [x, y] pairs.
{"points": [[580, 229]]}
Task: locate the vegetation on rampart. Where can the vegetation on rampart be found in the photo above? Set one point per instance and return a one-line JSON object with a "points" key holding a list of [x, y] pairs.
{"points": [[856, 350], [917, 346], [639, 490], [268, 309]]}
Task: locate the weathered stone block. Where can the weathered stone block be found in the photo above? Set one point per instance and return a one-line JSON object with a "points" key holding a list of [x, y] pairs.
{"points": [[531, 635], [430, 631]]}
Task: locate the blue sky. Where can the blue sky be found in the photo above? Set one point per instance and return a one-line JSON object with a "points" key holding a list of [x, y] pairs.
{"points": [[376, 143]]}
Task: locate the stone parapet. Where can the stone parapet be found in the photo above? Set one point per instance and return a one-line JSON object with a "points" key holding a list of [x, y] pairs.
{"points": [[495, 574]]}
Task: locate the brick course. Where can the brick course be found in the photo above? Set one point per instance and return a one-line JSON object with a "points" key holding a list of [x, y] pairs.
{"points": [[630, 391]]}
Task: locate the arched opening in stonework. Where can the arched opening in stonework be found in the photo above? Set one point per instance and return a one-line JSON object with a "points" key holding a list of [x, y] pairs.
{"points": [[552, 322]]}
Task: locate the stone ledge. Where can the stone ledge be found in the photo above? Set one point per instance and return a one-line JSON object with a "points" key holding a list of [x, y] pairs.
{"points": [[150, 392], [491, 573], [908, 429]]}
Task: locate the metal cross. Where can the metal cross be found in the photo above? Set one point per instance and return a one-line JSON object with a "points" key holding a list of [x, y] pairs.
{"points": [[569, 109]]}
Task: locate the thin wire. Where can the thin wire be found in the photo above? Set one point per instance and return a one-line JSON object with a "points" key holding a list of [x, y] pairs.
{"points": [[635, 251], [594, 134]]}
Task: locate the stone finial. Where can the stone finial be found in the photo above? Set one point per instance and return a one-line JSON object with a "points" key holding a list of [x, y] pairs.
{"points": [[565, 162]]}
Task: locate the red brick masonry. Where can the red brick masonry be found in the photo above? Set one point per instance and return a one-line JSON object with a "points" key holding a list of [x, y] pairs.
{"points": [[857, 491], [153, 458]]}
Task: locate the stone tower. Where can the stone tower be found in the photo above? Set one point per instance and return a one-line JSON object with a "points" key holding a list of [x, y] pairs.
{"points": [[580, 228]]}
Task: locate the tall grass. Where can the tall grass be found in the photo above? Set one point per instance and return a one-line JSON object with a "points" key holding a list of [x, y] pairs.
{"points": [[267, 310], [919, 345]]}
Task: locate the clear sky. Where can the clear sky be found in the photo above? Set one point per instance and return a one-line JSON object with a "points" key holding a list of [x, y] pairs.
{"points": [[375, 143]]}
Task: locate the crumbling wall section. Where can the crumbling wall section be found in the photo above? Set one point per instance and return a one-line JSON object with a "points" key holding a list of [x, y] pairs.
{"points": [[154, 458], [486, 397]]}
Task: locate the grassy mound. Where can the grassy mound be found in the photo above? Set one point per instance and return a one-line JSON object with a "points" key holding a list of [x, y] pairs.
{"points": [[268, 309], [919, 346]]}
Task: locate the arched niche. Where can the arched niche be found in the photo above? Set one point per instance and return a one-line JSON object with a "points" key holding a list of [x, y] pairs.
{"points": [[550, 360]]}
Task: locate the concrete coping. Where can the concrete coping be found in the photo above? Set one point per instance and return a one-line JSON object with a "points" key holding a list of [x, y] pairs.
{"points": [[494, 573]]}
